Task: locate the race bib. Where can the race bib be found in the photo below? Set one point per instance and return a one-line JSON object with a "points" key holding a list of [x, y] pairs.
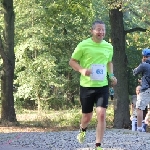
{"points": [[98, 72]]}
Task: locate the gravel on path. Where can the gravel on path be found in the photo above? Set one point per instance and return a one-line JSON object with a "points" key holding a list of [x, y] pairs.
{"points": [[114, 139]]}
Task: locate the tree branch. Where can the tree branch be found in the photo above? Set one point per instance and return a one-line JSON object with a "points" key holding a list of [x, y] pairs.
{"points": [[137, 15], [135, 29]]}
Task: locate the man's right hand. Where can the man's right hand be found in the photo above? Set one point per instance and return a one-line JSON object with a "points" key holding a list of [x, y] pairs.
{"points": [[85, 72]]}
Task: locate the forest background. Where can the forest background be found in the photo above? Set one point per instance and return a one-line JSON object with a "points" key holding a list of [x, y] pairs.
{"points": [[37, 40]]}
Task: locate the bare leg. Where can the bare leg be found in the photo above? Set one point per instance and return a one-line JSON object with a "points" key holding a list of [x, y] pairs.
{"points": [[139, 117], [86, 118], [101, 125]]}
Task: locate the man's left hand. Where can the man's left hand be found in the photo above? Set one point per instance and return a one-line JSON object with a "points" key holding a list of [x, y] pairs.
{"points": [[113, 80]]}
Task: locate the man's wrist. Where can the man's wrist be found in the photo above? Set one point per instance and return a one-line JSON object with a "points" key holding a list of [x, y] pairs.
{"points": [[80, 69], [111, 75]]}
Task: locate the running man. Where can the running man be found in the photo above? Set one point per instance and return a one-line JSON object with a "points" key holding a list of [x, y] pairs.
{"points": [[95, 62]]}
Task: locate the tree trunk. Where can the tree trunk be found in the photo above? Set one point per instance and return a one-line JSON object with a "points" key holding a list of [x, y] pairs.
{"points": [[121, 111], [7, 73]]}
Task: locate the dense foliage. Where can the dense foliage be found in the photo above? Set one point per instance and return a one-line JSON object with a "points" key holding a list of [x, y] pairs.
{"points": [[46, 33]]}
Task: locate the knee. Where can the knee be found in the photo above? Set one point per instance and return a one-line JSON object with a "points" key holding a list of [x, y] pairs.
{"points": [[87, 118], [101, 116]]}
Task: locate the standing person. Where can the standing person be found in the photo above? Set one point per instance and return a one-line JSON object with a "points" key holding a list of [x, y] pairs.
{"points": [[111, 92], [144, 95], [134, 113], [95, 60]]}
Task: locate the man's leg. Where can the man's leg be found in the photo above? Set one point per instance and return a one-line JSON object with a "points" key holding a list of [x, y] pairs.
{"points": [[101, 106], [134, 124], [86, 118], [101, 125], [142, 102], [139, 119], [87, 102]]}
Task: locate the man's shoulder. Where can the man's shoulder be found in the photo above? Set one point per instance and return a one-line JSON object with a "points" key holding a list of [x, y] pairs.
{"points": [[144, 64], [107, 46], [85, 40], [107, 43]]}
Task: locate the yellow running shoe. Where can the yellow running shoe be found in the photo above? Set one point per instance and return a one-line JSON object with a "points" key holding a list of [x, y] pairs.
{"points": [[98, 148], [81, 136]]}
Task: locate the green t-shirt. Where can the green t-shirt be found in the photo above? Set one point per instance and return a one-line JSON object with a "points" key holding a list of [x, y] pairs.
{"points": [[87, 53]]}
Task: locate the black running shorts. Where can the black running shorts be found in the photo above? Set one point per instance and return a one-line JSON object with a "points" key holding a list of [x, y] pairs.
{"points": [[93, 95]]}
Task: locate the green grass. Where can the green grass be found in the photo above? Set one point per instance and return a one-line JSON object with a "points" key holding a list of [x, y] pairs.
{"points": [[66, 119], [62, 119]]}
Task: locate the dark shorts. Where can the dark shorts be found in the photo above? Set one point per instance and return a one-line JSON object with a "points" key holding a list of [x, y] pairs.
{"points": [[93, 95]]}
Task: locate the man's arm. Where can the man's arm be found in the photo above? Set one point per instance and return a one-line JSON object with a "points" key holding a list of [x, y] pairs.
{"points": [[75, 65], [138, 70], [110, 68], [111, 74]]}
